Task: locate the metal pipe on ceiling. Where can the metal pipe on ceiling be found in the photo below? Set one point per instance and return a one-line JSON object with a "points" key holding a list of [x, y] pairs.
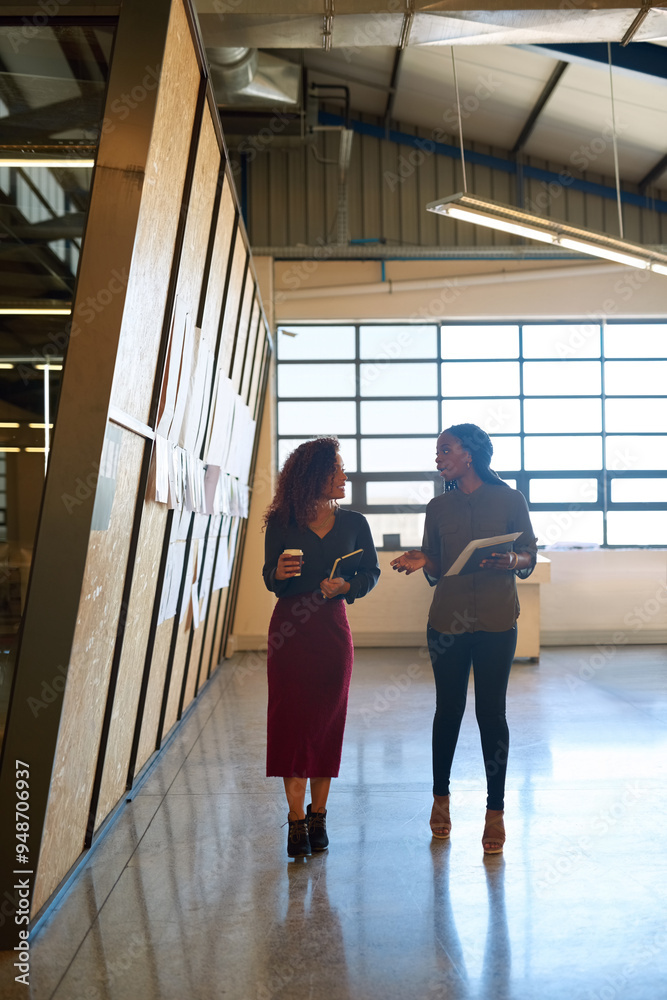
{"points": [[428, 284]]}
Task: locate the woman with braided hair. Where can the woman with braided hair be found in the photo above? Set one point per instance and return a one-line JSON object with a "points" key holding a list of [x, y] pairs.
{"points": [[472, 620], [310, 649]]}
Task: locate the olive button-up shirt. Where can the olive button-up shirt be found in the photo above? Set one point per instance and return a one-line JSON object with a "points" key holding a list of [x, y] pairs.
{"points": [[486, 600]]}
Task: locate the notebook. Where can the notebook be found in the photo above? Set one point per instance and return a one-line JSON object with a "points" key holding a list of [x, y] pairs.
{"points": [[347, 565], [477, 550]]}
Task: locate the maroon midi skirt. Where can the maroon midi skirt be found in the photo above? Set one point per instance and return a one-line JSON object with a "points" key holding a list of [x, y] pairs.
{"points": [[309, 669]]}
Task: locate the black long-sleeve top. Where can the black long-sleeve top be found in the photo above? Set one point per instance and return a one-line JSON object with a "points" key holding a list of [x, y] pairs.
{"points": [[350, 532]]}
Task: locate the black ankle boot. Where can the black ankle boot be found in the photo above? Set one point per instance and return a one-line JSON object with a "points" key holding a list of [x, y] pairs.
{"points": [[317, 830], [298, 844]]}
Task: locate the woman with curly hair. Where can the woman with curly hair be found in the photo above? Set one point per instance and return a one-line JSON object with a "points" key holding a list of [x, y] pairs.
{"points": [[310, 649], [472, 620]]}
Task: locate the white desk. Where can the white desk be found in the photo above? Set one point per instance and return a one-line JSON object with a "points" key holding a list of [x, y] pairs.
{"points": [[528, 626]]}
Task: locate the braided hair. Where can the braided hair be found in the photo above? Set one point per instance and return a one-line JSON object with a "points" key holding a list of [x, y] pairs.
{"points": [[303, 480], [478, 443]]}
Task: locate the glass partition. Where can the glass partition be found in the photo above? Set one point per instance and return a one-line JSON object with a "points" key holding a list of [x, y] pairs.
{"points": [[52, 88]]}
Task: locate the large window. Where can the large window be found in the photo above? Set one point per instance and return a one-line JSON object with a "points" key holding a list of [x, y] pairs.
{"points": [[577, 414]]}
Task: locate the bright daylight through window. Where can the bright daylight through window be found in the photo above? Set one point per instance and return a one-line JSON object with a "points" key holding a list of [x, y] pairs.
{"points": [[577, 414]]}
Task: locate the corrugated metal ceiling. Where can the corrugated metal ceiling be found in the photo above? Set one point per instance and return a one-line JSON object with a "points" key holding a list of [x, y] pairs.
{"points": [[506, 56]]}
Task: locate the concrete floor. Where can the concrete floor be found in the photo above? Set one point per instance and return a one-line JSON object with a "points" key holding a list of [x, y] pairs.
{"points": [[191, 894]]}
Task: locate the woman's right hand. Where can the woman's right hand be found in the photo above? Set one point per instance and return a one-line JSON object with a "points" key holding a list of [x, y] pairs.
{"points": [[288, 566], [409, 562]]}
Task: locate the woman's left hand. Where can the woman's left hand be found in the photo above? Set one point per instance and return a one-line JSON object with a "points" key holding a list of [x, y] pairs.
{"points": [[500, 560], [332, 588]]}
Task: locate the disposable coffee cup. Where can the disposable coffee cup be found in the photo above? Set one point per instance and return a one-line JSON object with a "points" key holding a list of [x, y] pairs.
{"points": [[295, 553]]}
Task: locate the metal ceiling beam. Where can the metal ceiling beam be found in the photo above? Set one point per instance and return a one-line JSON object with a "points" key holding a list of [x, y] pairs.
{"points": [[654, 173], [64, 227], [637, 23], [50, 118], [313, 8], [536, 111], [393, 87], [505, 165], [640, 57]]}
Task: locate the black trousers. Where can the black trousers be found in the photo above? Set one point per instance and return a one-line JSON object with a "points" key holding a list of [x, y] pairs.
{"points": [[491, 655]]}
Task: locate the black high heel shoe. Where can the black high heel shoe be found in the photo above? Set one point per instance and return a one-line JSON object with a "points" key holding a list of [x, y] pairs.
{"points": [[298, 842], [317, 829]]}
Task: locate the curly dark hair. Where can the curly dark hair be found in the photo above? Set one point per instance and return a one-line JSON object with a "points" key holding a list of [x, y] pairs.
{"points": [[478, 443], [303, 479]]}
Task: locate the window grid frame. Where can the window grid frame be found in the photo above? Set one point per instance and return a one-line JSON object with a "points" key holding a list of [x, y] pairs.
{"points": [[522, 476]]}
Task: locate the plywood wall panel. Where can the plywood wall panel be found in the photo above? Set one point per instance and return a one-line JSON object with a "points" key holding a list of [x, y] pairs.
{"points": [[242, 332], [193, 664], [258, 368], [232, 305], [218, 652], [88, 678], [250, 351], [219, 261], [166, 238], [209, 636], [156, 681], [162, 193], [131, 665], [200, 211], [182, 641]]}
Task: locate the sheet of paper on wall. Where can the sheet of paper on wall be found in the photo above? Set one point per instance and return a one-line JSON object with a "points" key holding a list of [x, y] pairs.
{"points": [[243, 499], [172, 581], [200, 524], [164, 594], [212, 495], [175, 478], [183, 519], [160, 468], [196, 482], [221, 575], [106, 479], [189, 484], [195, 394], [243, 436], [172, 368], [220, 430], [225, 493], [182, 391]]}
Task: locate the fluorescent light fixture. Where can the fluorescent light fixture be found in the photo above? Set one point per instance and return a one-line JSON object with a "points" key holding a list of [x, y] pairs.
{"points": [[3, 449], [620, 258], [503, 224], [493, 215], [5, 365], [9, 423], [38, 426], [35, 312], [49, 161], [35, 450], [52, 368]]}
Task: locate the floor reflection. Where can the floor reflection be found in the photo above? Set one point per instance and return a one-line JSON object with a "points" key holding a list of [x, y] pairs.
{"points": [[454, 979], [198, 899]]}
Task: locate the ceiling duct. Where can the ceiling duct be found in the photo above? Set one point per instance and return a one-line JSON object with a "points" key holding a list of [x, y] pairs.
{"points": [[247, 78]]}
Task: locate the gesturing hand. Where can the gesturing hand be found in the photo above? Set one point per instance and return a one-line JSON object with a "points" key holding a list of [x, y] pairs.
{"points": [[409, 562], [332, 588]]}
